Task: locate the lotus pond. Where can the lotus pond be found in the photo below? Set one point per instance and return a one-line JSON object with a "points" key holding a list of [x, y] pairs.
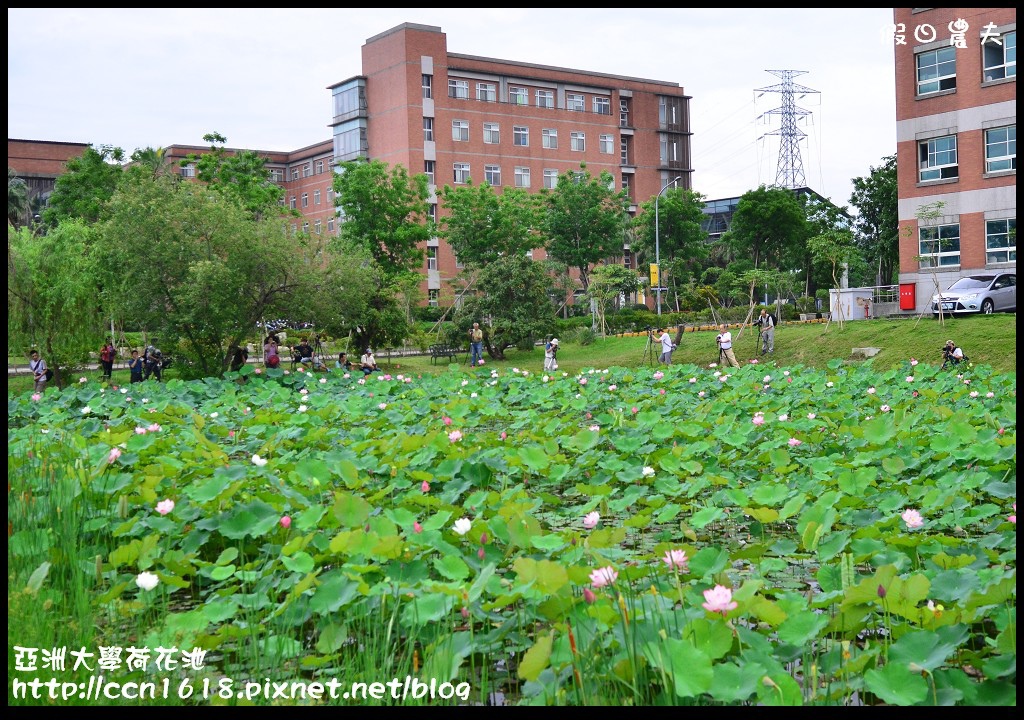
{"points": [[758, 536]]}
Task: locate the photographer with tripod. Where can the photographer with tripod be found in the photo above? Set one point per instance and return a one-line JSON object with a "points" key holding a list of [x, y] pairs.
{"points": [[725, 354], [766, 331], [667, 346], [952, 355]]}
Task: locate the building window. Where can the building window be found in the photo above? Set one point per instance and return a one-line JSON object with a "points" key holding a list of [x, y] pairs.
{"points": [[432, 297], [936, 70], [330, 225], [575, 102], [188, 171], [318, 227], [319, 167], [492, 174], [1000, 61], [522, 177], [428, 129], [627, 260], [458, 263], [295, 228], [316, 197], [305, 227], [937, 158], [549, 138], [518, 96], [550, 179], [458, 89], [461, 173], [307, 170], [428, 86], [293, 203], [578, 141], [491, 133], [277, 175], [429, 168], [295, 173], [432, 258], [607, 144], [623, 113], [624, 151], [521, 135], [545, 98], [487, 92], [603, 106], [940, 245], [1001, 149], [460, 130], [432, 212], [305, 199], [1001, 240]]}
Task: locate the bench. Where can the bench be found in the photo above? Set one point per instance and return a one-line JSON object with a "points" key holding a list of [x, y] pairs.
{"points": [[444, 351]]}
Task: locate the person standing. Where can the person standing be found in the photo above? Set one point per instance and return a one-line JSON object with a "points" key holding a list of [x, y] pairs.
{"points": [[767, 324], [153, 361], [270, 356], [476, 344], [135, 368], [667, 346], [39, 371], [107, 354], [551, 355], [725, 353]]}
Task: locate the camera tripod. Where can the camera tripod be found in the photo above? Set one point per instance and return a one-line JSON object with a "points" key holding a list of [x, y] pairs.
{"points": [[649, 355]]}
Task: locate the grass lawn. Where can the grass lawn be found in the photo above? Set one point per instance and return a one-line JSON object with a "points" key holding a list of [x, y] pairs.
{"points": [[986, 339]]}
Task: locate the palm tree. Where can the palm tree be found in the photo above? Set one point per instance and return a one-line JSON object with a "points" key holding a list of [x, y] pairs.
{"points": [[152, 159], [17, 198]]}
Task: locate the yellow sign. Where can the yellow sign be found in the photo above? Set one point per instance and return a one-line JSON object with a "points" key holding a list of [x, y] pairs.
{"points": [[655, 280]]}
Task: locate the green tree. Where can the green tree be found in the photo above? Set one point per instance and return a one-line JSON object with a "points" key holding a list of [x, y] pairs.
{"points": [[768, 223], [52, 303], [877, 222], [87, 186], [17, 199], [823, 217], [681, 240], [240, 175], [151, 160], [584, 220], [607, 283], [481, 225], [516, 304], [835, 248], [384, 209]]}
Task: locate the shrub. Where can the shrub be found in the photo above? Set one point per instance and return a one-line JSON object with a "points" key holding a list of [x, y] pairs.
{"points": [[585, 336]]}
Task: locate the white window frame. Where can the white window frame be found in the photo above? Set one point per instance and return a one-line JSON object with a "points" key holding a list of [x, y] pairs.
{"points": [[432, 257], [607, 144], [433, 297], [932, 70], [575, 102], [188, 171], [460, 173], [294, 203], [521, 136], [578, 141], [305, 199], [458, 89], [295, 173], [995, 53], [522, 177], [330, 225], [318, 227], [1001, 154], [492, 175], [492, 133], [518, 96], [486, 92], [550, 178], [546, 99], [316, 197], [307, 170], [1008, 233], [460, 130], [277, 175], [932, 254], [319, 167], [428, 129], [305, 227], [549, 138], [602, 105], [429, 169], [427, 83], [936, 160]]}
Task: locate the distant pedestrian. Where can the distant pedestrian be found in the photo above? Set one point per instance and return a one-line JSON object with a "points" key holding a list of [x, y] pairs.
{"points": [[136, 368], [107, 354], [667, 346], [551, 355], [270, 356], [153, 361], [40, 372], [476, 344]]}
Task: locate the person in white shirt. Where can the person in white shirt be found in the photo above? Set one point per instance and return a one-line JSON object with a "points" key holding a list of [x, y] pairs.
{"points": [[667, 346], [725, 353], [551, 355], [767, 326], [368, 363], [38, 367]]}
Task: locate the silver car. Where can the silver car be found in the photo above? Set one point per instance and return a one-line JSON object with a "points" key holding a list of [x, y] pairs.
{"points": [[984, 293]]}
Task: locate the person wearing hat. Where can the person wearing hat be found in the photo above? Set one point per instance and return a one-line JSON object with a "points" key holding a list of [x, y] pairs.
{"points": [[551, 354], [667, 346], [368, 363]]}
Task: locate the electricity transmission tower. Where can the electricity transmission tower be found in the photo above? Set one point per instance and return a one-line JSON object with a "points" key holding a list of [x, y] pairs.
{"points": [[790, 173]]}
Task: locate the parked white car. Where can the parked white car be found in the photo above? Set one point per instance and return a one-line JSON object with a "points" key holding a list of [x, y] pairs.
{"points": [[983, 293]]}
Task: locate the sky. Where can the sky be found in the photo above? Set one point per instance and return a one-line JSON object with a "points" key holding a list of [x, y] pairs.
{"points": [[138, 78]]}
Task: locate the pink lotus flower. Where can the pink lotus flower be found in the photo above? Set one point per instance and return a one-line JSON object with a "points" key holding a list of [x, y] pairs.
{"points": [[361, 381], [612, 387], [300, 369], [789, 380], [785, 372], [700, 394], [912, 518], [1013, 518], [693, 380], [913, 362], [811, 416], [417, 528], [829, 384], [231, 433], [723, 378], [974, 393], [635, 410], [783, 417], [662, 391], [140, 430], [990, 394], [425, 487], [753, 361], [676, 560], [303, 391], [446, 420], [710, 365], [595, 428], [758, 419], [967, 381], [481, 362], [719, 600], [383, 406], [258, 371], [591, 519], [793, 442], [916, 393], [603, 576], [165, 506], [659, 375], [767, 379], [286, 521], [588, 596], [115, 453], [455, 435], [910, 378], [480, 553], [503, 435], [1001, 430], [154, 428], [871, 391], [583, 381], [36, 397], [885, 408]]}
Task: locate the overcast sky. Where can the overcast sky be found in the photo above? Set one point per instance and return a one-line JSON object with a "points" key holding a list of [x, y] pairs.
{"points": [[140, 78]]}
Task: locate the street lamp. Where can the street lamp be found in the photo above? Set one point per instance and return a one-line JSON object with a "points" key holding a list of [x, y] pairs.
{"points": [[657, 239]]}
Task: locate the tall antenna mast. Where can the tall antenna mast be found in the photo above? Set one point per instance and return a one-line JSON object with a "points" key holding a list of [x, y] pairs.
{"points": [[791, 168]]}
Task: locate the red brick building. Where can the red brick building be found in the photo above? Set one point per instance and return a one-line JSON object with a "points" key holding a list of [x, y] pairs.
{"points": [[956, 113], [39, 163]]}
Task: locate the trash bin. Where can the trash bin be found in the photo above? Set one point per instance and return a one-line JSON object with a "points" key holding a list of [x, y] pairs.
{"points": [[908, 296]]}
